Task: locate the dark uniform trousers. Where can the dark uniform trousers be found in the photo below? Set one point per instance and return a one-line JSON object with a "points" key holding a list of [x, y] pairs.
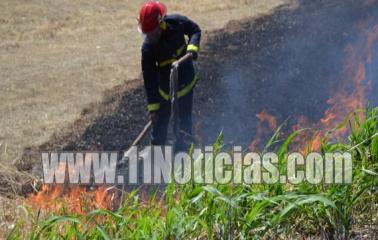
{"points": [[160, 127], [180, 35]]}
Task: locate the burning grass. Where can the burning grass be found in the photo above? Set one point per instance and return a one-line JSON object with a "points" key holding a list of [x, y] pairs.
{"points": [[199, 212], [77, 51], [195, 211], [75, 199]]}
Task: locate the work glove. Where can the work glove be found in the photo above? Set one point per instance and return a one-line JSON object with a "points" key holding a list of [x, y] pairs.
{"points": [[154, 116], [194, 55]]}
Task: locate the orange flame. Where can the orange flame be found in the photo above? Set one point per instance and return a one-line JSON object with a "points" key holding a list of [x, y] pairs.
{"points": [[263, 129], [75, 199], [358, 58]]}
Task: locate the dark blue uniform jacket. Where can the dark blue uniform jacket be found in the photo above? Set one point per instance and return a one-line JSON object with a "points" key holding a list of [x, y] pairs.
{"points": [[158, 57]]}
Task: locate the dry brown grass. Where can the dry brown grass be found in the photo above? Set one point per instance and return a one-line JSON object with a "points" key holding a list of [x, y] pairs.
{"points": [[56, 57]]}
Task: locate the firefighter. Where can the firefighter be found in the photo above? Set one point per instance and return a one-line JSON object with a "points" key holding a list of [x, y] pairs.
{"points": [[164, 43]]}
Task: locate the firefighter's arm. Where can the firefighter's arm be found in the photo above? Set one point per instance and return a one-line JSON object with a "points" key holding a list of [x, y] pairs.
{"points": [[150, 74], [193, 31]]}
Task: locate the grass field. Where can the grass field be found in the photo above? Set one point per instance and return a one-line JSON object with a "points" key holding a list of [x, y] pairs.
{"points": [[59, 56], [56, 57]]}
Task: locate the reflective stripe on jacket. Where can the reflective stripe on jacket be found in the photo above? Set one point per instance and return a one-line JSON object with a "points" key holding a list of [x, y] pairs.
{"points": [[157, 59]]}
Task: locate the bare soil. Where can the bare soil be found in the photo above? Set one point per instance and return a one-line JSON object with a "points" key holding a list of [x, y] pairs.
{"points": [[56, 58], [288, 63]]}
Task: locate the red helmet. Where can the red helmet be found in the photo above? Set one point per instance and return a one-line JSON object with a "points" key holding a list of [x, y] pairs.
{"points": [[150, 15]]}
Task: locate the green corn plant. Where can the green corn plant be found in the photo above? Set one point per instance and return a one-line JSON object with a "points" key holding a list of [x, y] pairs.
{"points": [[201, 211]]}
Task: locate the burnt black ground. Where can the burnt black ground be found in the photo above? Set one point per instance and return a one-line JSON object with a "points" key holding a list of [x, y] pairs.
{"points": [[287, 63]]}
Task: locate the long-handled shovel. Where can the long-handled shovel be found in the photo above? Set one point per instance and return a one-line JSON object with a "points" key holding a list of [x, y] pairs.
{"points": [[175, 116], [174, 98]]}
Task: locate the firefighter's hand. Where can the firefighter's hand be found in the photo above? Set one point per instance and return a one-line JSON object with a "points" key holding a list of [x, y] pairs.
{"points": [[194, 55], [154, 116]]}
